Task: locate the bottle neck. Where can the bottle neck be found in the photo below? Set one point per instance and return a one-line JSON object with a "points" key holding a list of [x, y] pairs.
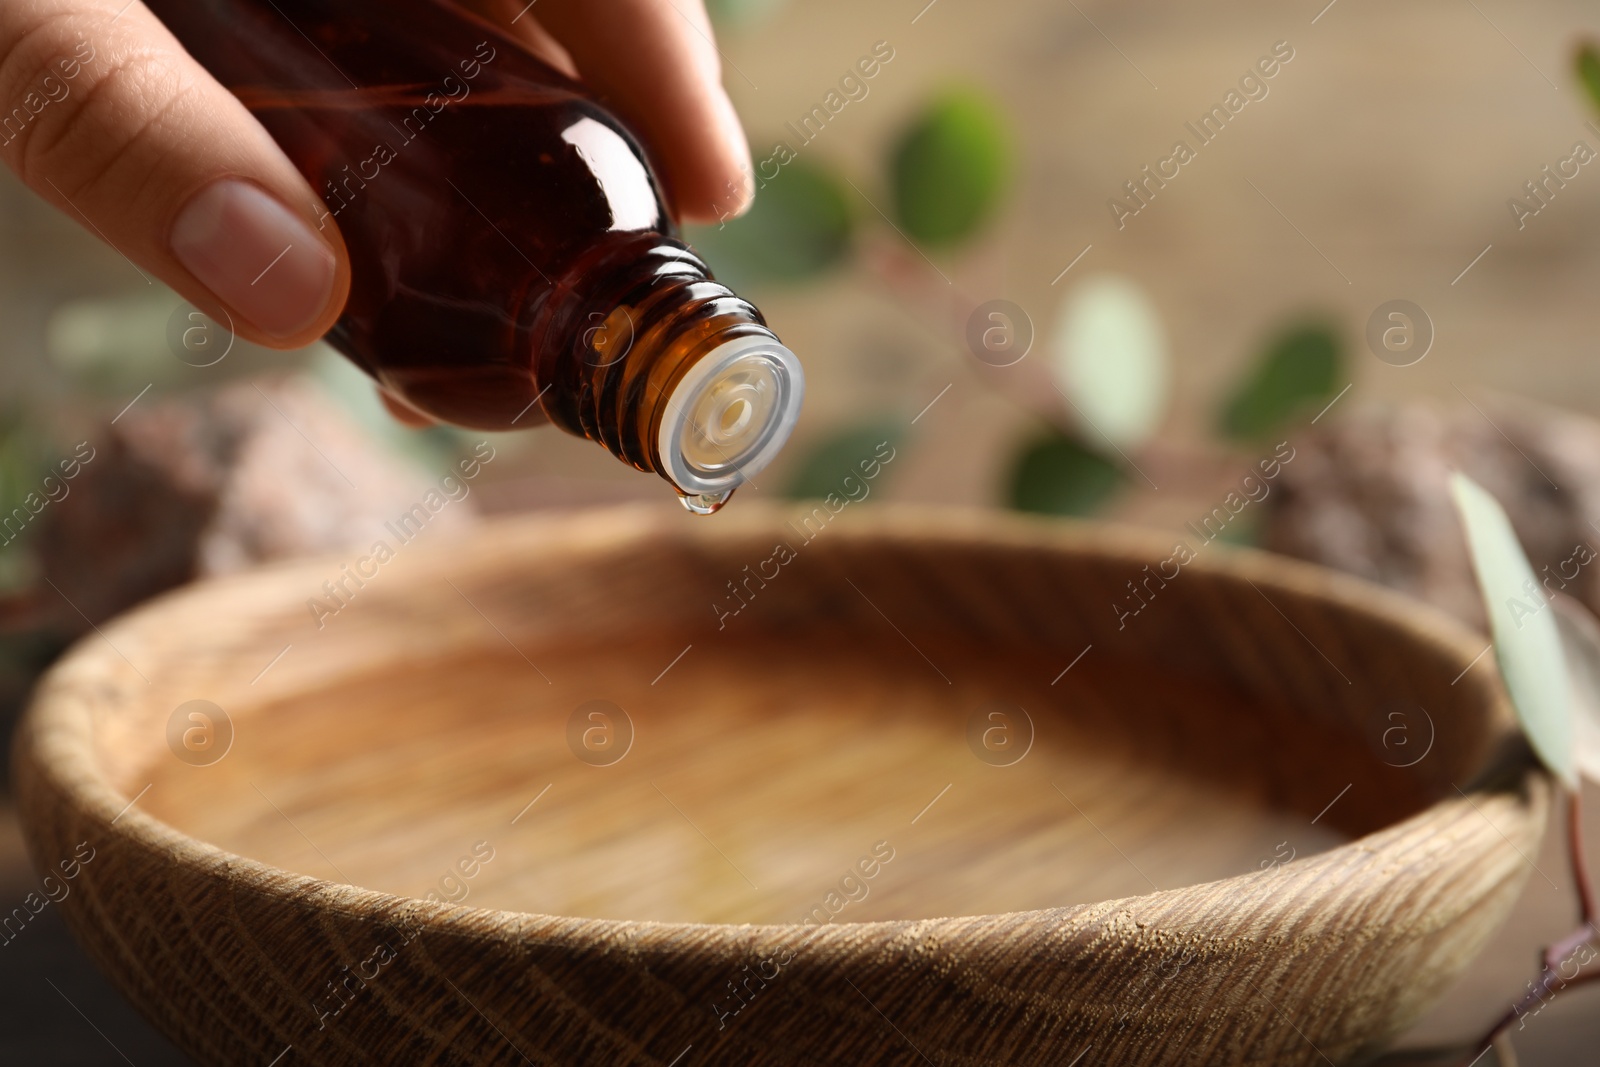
{"points": [[638, 349]]}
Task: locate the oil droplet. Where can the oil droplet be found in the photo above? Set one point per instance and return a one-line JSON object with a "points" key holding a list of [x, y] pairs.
{"points": [[705, 503]]}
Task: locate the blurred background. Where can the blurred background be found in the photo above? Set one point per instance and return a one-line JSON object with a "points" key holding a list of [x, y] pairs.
{"points": [[989, 251]]}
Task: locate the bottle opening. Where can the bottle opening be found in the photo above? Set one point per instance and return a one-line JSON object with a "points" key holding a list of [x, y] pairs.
{"points": [[729, 416]]}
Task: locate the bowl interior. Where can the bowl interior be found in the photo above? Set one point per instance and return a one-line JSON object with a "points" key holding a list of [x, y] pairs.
{"points": [[814, 752]]}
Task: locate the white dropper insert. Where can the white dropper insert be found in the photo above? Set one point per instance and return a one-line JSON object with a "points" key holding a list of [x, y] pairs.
{"points": [[728, 417]]}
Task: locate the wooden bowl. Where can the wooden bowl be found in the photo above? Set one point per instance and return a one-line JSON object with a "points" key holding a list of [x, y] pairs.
{"points": [[886, 787]]}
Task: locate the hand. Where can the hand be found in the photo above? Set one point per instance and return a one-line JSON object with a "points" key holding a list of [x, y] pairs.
{"points": [[105, 115]]}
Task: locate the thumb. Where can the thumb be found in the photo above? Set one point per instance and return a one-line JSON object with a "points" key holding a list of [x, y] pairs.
{"points": [[105, 115]]}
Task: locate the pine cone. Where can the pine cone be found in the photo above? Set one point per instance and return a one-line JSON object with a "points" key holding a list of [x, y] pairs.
{"points": [[215, 482], [1369, 494]]}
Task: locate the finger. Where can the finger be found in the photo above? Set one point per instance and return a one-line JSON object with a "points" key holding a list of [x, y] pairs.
{"points": [[117, 126], [654, 62], [516, 18]]}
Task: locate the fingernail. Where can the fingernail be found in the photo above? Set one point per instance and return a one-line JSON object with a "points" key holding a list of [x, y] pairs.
{"points": [[255, 255]]}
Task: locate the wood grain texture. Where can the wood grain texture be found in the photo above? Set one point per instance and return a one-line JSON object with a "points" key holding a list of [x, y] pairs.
{"points": [[1018, 921]]}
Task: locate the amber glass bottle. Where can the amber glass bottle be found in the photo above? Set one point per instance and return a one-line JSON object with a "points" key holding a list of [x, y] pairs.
{"points": [[509, 244]]}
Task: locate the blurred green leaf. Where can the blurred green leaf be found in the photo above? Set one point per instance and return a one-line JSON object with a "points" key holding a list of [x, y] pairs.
{"points": [[117, 345], [1587, 63], [1244, 531], [432, 447], [1580, 647], [1295, 375], [108, 343], [826, 466], [726, 13], [950, 169], [1111, 359], [23, 465], [799, 225], [1057, 475], [1527, 644]]}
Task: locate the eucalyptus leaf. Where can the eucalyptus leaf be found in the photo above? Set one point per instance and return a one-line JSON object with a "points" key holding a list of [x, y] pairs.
{"points": [[1296, 374], [1057, 475], [1580, 644], [1245, 531], [1110, 358], [122, 337], [799, 225], [1587, 63], [856, 453], [117, 345], [950, 169], [741, 13], [1527, 644], [23, 465]]}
